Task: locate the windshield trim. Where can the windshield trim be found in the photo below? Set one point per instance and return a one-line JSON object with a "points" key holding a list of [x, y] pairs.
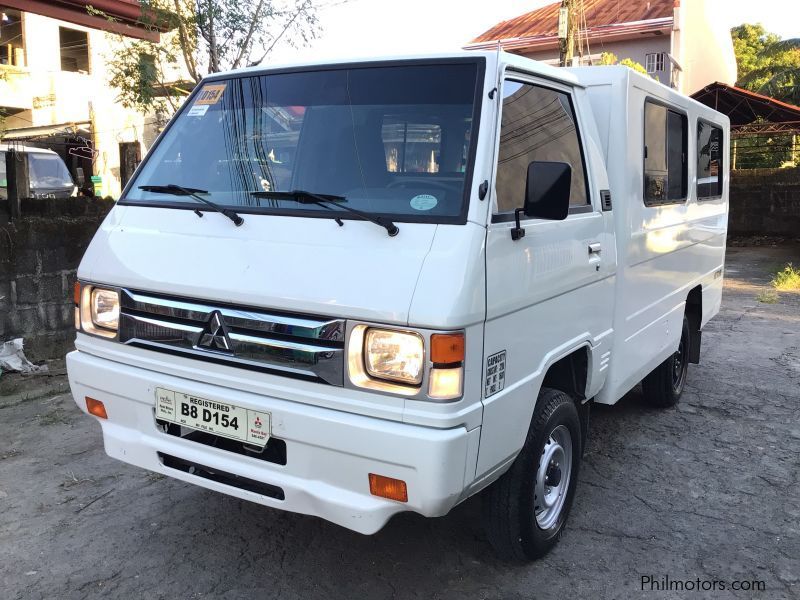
{"points": [[477, 107]]}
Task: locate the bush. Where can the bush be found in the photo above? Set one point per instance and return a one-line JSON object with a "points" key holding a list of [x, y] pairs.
{"points": [[787, 279]]}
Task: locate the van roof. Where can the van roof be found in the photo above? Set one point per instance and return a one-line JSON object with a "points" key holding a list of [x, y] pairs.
{"points": [[625, 76], [491, 56], [22, 148]]}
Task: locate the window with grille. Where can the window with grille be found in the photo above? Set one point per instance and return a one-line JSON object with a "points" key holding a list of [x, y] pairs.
{"points": [[654, 62]]}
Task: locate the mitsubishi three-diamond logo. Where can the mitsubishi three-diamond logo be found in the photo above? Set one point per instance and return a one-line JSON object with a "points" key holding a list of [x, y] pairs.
{"points": [[215, 336]]}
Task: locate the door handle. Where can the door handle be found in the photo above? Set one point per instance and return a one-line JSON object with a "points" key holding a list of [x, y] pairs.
{"points": [[594, 248]]}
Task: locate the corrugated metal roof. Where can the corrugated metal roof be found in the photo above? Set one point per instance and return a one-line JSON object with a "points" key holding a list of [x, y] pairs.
{"points": [[543, 22], [744, 107]]}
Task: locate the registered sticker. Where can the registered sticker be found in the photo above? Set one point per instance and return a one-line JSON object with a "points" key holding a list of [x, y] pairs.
{"points": [[210, 94], [495, 373]]}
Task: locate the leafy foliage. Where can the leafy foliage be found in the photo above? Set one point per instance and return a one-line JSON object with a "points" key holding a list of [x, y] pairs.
{"points": [[207, 36], [609, 58], [787, 279], [767, 64]]}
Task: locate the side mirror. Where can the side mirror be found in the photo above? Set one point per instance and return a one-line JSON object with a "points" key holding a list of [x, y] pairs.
{"points": [[546, 193]]}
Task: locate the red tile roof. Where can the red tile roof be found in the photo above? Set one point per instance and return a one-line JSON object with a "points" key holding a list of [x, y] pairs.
{"points": [[543, 22]]}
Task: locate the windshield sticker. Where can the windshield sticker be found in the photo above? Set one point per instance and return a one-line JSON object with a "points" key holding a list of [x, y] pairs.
{"points": [[423, 202], [210, 94], [198, 111]]}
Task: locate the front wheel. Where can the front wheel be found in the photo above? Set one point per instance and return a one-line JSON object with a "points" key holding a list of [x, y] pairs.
{"points": [[525, 511], [664, 386]]}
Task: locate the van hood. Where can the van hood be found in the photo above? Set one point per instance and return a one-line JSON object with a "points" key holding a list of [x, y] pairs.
{"points": [[297, 264]]}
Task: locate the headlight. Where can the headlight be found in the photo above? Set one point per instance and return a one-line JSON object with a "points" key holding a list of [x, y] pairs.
{"points": [[105, 308], [98, 310], [394, 355]]}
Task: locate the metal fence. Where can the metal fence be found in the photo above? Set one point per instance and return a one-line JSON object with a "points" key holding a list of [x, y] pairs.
{"points": [[765, 146]]}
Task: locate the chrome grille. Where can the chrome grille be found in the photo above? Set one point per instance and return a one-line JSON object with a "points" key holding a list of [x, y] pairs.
{"points": [[301, 346]]}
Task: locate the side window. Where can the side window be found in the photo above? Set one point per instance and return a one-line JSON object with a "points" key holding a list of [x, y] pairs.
{"points": [[665, 172], [654, 62], [709, 160], [538, 124]]}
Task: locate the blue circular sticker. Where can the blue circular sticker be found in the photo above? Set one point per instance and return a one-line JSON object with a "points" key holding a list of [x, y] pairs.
{"points": [[423, 202]]}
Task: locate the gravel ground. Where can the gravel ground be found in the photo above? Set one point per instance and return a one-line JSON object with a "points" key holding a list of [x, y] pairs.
{"points": [[708, 490]]}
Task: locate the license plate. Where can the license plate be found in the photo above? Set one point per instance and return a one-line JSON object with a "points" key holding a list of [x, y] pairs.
{"points": [[212, 416]]}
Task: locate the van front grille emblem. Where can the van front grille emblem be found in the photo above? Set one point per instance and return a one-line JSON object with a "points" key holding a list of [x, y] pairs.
{"points": [[215, 337]]}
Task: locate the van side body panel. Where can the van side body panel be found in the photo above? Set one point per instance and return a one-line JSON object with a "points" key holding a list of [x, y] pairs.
{"points": [[664, 251]]}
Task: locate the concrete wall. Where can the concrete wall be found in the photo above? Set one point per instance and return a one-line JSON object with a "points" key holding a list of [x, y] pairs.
{"points": [[39, 255], [765, 202]]}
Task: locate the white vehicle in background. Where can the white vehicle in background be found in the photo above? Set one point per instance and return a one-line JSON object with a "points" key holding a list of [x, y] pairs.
{"points": [[48, 176], [356, 289]]}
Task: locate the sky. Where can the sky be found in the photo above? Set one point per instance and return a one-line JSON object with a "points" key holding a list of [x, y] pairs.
{"points": [[377, 27]]}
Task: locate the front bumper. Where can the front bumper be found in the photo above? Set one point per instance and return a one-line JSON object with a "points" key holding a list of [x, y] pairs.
{"points": [[329, 453]]}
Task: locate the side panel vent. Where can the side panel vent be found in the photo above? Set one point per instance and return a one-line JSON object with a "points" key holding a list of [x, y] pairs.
{"points": [[605, 199]]}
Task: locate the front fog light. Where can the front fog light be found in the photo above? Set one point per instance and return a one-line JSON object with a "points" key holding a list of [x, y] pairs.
{"points": [[105, 308], [394, 355]]}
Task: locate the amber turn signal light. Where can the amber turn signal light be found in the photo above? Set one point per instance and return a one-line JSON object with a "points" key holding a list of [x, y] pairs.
{"points": [[96, 408], [386, 487], [447, 348], [76, 293]]}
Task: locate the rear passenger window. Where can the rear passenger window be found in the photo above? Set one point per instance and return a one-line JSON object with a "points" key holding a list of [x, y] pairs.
{"points": [[709, 160], [538, 124], [665, 172]]}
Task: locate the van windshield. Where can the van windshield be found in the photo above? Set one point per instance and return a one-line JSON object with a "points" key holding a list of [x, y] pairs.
{"points": [[393, 140], [48, 172]]}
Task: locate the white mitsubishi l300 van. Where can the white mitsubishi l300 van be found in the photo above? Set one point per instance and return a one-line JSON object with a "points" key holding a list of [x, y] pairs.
{"points": [[355, 289]]}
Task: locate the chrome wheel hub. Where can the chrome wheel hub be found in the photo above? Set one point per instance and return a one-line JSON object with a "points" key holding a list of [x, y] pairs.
{"points": [[552, 477]]}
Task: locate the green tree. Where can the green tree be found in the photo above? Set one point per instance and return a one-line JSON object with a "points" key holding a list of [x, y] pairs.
{"points": [[767, 64], [207, 36], [609, 58]]}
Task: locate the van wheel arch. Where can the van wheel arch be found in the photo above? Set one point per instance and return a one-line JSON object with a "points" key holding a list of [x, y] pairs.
{"points": [[570, 374]]}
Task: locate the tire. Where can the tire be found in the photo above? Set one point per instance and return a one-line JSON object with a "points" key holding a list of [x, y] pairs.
{"points": [[663, 387], [518, 524]]}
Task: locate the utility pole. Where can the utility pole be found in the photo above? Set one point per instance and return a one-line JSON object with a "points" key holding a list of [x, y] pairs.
{"points": [[566, 32], [17, 181]]}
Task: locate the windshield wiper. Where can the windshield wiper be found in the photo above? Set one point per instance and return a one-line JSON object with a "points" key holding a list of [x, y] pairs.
{"points": [[326, 201], [177, 190]]}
